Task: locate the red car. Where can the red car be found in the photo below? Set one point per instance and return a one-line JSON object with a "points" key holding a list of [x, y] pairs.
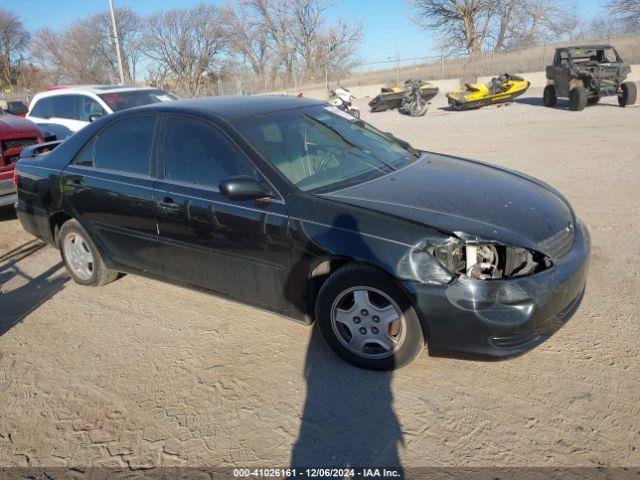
{"points": [[15, 134]]}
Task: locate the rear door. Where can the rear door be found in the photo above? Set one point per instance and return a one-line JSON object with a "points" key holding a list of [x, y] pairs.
{"points": [[109, 187], [59, 109], [239, 248]]}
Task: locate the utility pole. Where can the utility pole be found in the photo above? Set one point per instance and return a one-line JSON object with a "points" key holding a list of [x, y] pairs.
{"points": [[397, 63], [115, 38]]}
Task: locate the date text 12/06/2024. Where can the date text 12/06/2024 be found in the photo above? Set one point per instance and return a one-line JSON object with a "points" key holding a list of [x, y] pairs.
{"points": [[317, 473]]}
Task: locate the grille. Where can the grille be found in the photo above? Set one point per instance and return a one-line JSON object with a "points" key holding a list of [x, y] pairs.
{"points": [[10, 159], [558, 244], [18, 143]]}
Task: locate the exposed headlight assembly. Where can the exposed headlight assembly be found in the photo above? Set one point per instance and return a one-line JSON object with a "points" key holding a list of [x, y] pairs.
{"points": [[473, 258]]}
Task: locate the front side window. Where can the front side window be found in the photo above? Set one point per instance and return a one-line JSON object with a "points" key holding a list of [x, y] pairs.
{"points": [[196, 152], [124, 146], [322, 147], [87, 107]]}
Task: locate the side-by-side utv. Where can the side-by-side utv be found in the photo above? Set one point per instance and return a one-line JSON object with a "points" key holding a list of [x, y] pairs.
{"points": [[586, 73]]}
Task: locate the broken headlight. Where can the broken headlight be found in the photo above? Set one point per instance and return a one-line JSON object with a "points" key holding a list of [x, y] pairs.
{"points": [[486, 260]]}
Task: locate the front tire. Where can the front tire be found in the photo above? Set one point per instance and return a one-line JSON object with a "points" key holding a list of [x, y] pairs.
{"points": [[418, 108], [628, 95], [367, 320], [550, 97], [577, 98], [83, 261]]}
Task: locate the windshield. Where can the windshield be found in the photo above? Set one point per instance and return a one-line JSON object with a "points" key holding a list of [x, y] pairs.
{"points": [[601, 55], [135, 98], [323, 148]]}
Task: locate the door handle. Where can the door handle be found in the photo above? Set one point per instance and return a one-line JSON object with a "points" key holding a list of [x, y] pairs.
{"points": [[168, 204]]}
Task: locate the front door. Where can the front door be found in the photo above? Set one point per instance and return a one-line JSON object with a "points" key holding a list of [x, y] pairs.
{"points": [[238, 248], [561, 73]]}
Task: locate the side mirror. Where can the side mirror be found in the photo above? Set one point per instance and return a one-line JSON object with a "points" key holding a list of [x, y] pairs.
{"points": [[94, 117], [244, 187]]}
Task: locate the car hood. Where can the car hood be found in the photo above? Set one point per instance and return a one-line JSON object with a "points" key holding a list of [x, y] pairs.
{"points": [[13, 124], [457, 195]]}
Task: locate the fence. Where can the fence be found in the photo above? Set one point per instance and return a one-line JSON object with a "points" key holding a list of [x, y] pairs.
{"points": [[468, 68], [395, 71]]}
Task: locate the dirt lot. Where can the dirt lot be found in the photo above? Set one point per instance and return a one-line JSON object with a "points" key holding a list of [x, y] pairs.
{"points": [[140, 373]]}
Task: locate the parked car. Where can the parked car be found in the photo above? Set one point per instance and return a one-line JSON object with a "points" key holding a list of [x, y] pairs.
{"points": [[15, 134], [292, 205], [74, 107], [15, 107]]}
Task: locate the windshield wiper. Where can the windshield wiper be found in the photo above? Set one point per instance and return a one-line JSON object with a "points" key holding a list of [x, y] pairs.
{"points": [[347, 141]]}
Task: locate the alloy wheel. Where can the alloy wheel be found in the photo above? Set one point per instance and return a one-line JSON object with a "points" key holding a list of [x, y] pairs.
{"points": [[368, 322], [78, 255]]}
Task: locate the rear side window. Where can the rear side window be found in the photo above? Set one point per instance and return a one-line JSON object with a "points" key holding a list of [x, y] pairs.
{"points": [[42, 108], [196, 152], [124, 146]]}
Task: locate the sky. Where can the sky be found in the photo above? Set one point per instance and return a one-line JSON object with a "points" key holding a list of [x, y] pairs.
{"points": [[388, 27]]}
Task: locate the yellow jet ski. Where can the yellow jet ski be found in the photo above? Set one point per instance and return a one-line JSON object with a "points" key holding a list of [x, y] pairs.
{"points": [[501, 89], [393, 97]]}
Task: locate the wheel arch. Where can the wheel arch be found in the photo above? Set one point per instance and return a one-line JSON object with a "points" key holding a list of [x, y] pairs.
{"points": [[55, 224], [324, 268]]}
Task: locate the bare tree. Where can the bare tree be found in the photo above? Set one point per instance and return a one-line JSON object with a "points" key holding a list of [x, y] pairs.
{"points": [[306, 23], [98, 31], [85, 53], [464, 23], [249, 37], [69, 56], [276, 18], [336, 47], [535, 22], [185, 42], [14, 40], [626, 11]]}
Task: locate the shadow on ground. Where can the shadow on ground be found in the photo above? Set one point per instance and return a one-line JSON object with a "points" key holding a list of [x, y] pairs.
{"points": [[17, 303], [348, 418], [7, 213]]}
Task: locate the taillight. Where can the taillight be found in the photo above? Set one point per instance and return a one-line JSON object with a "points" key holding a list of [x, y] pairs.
{"points": [[15, 177]]}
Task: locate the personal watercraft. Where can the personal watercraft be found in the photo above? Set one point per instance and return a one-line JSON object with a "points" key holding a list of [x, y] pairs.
{"points": [[500, 89], [393, 97]]}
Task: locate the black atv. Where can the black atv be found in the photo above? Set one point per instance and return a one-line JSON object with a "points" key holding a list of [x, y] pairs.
{"points": [[585, 74]]}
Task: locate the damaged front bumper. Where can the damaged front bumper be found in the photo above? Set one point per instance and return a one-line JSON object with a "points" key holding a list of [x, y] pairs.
{"points": [[502, 318]]}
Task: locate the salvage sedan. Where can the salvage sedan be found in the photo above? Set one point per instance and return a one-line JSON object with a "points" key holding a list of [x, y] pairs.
{"points": [[291, 205]]}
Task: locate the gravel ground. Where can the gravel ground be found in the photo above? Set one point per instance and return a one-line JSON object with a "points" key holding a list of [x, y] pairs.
{"points": [[139, 373]]}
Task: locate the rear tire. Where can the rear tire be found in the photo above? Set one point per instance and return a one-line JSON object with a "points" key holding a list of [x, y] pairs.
{"points": [[83, 261], [367, 320], [577, 99], [550, 97], [629, 94]]}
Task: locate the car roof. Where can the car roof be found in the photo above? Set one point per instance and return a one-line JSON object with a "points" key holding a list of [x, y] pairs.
{"points": [[586, 47], [96, 89], [235, 107]]}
